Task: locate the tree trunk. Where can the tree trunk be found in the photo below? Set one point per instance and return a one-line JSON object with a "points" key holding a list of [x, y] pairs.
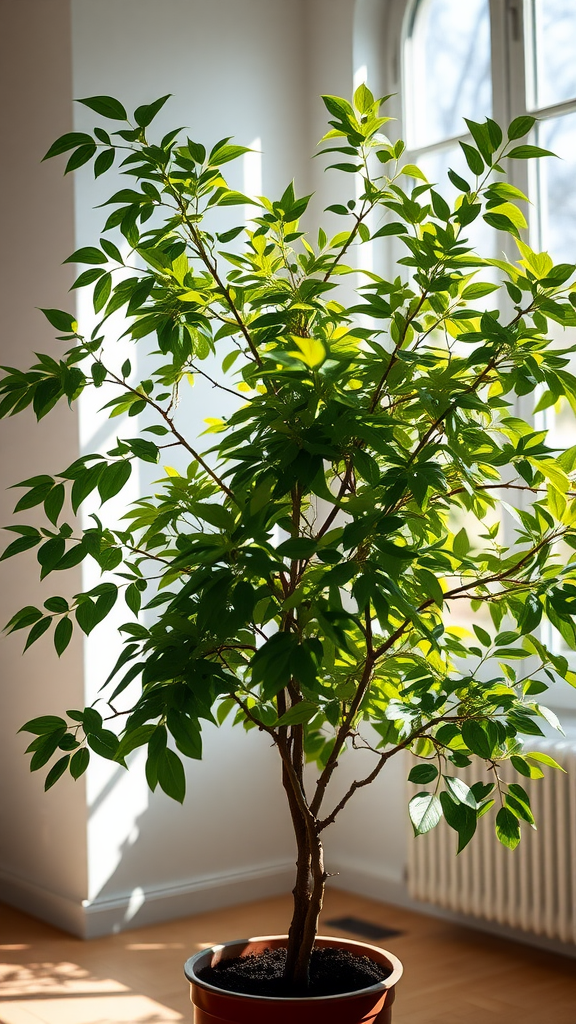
{"points": [[317, 882], [308, 896]]}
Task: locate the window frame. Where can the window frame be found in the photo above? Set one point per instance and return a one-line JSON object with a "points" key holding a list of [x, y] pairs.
{"points": [[510, 37]]}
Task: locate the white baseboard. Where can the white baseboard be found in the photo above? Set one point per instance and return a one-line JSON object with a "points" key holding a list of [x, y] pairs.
{"points": [[380, 886], [143, 906], [54, 907], [106, 915]]}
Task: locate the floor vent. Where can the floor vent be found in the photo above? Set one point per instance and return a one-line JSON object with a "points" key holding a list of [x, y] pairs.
{"points": [[364, 929]]}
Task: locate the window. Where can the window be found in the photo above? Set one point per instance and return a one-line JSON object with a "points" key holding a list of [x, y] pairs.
{"points": [[451, 59]]}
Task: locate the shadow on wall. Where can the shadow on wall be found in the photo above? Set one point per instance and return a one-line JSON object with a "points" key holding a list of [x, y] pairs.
{"points": [[152, 859]]}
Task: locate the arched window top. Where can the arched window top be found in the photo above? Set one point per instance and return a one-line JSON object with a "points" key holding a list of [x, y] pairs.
{"points": [[446, 68]]}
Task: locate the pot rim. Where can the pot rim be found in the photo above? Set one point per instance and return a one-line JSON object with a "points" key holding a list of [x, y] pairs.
{"points": [[328, 940]]}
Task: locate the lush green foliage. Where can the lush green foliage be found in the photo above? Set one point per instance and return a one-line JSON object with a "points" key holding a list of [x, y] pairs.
{"points": [[302, 575]]}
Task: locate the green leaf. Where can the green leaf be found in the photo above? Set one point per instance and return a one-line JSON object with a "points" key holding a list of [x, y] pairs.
{"points": [[79, 762], [461, 818], [133, 598], [473, 158], [303, 711], [44, 725], [145, 114], [22, 544], [171, 776], [521, 126], [518, 801], [60, 320], [440, 206], [394, 228], [460, 792], [297, 547], [425, 811], [84, 483], [483, 636], [102, 290], [478, 737], [103, 162], [367, 467], [86, 616], [87, 277], [422, 774], [104, 743], [363, 99], [311, 351], [106, 106], [481, 135], [187, 734], [113, 479], [111, 250], [507, 828], [145, 450], [56, 772], [223, 154], [523, 768], [80, 157], [66, 142], [37, 631], [552, 472], [339, 107], [412, 171], [62, 635], [98, 374], [53, 503], [25, 617], [88, 254], [56, 604], [528, 152], [134, 738], [459, 182], [541, 758], [478, 290]]}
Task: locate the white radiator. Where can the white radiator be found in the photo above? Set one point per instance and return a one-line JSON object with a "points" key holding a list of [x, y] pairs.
{"points": [[533, 887]]}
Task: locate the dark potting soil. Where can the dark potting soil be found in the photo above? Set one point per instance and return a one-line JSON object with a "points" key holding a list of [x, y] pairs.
{"points": [[332, 972]]}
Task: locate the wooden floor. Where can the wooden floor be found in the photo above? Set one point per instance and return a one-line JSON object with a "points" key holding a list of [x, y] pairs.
{"points": [[452, 975]]}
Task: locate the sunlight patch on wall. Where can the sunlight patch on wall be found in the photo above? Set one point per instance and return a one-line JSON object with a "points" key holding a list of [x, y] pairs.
{"points": [[360, 76], [253, 176]]}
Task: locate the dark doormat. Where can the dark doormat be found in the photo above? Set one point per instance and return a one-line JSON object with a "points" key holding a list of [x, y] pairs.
{"points": [[365, 929]]}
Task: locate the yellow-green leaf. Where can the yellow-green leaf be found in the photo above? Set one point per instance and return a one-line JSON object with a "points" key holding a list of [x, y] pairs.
{"points": [[414, 172], [540, 263], [551, 470], [312, 351], [556, 502], [512, 212]]}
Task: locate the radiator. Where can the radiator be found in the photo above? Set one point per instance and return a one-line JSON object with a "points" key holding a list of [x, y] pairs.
{"points": [[532, 888]]}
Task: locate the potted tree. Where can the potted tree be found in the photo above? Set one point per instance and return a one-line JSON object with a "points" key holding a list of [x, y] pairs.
{"points": [[304, 573]]}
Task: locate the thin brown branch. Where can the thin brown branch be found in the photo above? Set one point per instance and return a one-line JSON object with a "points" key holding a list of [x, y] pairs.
{"points": [[182, 440], [342, 734], [460, 591], [383, 758]]}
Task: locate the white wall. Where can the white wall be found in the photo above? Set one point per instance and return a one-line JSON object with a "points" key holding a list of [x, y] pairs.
{"points": [[42, 837], [112, 854]]}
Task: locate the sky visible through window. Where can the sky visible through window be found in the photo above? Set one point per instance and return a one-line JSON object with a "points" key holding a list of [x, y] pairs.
{"points": [[449, 68]]}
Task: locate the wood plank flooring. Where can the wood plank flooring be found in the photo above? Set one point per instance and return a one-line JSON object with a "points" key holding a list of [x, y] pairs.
{"points": [[452, 975]]}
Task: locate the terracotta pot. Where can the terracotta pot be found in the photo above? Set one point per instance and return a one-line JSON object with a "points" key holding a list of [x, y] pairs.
{"points": [[372, 1005]]}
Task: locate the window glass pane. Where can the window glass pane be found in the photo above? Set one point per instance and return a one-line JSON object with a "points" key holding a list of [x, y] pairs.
{"points": [[447, 68], [556, 191], [553, 51]]}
